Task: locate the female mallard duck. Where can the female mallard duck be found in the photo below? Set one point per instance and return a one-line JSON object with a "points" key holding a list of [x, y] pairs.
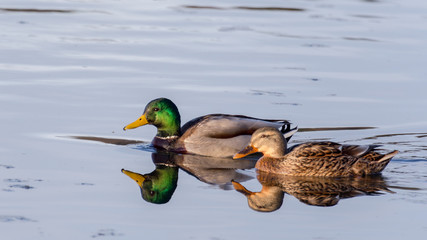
{"points": [[215, 135], [327, 159]]}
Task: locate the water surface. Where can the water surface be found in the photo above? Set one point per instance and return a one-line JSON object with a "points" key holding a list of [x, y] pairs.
{"points": [[86, 68]]}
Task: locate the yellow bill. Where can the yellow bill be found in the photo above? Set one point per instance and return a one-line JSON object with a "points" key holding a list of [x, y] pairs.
{"points": [[138, 123]]}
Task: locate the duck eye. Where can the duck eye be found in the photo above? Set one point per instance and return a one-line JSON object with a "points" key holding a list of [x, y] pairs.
{"points": [[156, 109], [152, 193]]}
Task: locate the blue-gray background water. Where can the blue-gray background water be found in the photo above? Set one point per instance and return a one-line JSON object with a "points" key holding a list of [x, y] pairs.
{"points": [[87, 68]]}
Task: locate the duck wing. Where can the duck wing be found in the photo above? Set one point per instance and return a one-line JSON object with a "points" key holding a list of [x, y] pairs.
{"points": [[319, 159], [358, 150], [316, 149], [224, 124], [333, 159], [222, 135]]}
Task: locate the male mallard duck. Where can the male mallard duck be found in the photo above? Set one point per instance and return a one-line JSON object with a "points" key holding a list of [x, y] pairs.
{"points": [[327, 159], [215, 135]]}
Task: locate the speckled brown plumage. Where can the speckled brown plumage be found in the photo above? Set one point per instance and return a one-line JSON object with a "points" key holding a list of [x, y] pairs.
{"points": [[324, 191], [328, 159]]}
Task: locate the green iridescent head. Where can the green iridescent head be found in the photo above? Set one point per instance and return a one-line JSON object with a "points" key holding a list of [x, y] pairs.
{"points": [[163, 114], [157, 186]]}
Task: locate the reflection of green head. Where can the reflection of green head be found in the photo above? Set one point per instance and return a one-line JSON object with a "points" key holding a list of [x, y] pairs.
{"points": [[157, 186]]}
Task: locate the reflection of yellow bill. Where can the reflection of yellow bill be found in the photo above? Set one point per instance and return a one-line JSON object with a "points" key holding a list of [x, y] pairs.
{"points": [[138, 178], [138, 123]]}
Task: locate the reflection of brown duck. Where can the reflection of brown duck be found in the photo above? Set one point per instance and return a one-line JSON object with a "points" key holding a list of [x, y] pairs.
{"points": [[317, 191], [159, 185], [269, 199], [314, 158]]}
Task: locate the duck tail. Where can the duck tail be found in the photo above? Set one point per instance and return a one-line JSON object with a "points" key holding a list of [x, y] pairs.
{"points": [[288, 132], [387, 157], [381, 163], [372, 163]]}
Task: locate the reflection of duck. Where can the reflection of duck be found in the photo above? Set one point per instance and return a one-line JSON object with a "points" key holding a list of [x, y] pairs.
{"points": [[313, 158], [317, 191], [214, 171], [269, 199], [159, 185], [216, 135]]}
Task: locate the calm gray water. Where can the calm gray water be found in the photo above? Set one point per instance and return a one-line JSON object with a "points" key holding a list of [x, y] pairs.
{"points": [[87, 68]]}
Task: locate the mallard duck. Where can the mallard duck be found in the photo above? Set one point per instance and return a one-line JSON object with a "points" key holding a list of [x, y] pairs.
{"points": [[313, 158], [215, 135]]}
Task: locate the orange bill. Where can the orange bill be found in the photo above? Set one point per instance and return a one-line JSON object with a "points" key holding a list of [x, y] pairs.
{"points": [[239, 187], [248, 150]]}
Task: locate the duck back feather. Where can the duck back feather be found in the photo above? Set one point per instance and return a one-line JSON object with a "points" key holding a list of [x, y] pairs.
{"points": [[222, 135]]}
